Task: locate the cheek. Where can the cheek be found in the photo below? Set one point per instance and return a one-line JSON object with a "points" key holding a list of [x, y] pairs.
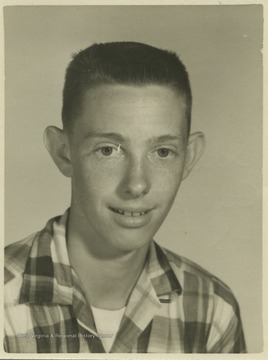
{"points": [[166, 190], [168, 177], [94, 178]]}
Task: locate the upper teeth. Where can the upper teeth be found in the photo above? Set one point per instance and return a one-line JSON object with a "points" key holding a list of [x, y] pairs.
{"points": [[130, 213]]}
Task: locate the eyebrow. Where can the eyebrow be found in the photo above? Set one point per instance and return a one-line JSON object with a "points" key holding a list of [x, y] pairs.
{"points": [[164, 138], [110, 135], [119, 138]]}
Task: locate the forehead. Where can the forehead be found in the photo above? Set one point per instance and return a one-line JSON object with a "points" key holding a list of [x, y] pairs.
{"points": [[121, 107], [136, 95]]}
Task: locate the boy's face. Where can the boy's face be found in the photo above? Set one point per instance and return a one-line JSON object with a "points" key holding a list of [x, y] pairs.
{"points": [[127, 154]]}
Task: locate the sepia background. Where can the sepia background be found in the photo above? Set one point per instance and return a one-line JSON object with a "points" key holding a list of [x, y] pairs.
{"points": [[216, 218]]}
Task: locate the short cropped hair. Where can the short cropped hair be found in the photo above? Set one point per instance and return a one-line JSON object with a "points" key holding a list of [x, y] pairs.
{"points": [[124, 63]]}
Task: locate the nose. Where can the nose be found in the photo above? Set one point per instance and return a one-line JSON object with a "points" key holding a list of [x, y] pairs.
{"points": [[136, 182]]}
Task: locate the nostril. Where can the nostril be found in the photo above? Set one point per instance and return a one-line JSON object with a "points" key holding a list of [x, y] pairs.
{"points": [[137, 190]]}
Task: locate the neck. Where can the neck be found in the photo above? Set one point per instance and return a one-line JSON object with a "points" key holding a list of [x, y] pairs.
{"points": [[106, 274]]}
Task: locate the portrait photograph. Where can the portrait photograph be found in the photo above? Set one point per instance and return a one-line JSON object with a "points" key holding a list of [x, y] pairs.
{"points": [[133, 179]]}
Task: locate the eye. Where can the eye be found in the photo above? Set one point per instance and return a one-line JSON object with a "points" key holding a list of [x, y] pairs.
{"points": [[106, 150], [163, 152]]}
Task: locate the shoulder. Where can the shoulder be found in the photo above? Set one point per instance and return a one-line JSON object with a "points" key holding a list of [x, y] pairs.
{"points": [[208, 301], [195, 279], [16, 255]]}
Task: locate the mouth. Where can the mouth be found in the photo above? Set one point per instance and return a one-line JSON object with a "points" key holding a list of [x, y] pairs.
{"points": [[130, 213]]}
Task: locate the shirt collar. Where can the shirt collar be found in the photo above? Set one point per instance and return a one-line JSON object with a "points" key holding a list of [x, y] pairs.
{"points": [[161, 274], [48, 278]]}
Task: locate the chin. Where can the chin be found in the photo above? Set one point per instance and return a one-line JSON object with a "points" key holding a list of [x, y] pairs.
{"points": [[131, 244]]}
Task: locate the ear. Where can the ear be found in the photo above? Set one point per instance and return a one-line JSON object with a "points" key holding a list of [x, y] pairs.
{"points": [[195, 148], [57, 144]]}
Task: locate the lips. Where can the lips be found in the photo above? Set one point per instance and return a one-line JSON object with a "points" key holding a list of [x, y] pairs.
{"points": [[130, 213]]}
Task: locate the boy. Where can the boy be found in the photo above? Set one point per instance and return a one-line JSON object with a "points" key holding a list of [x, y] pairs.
{"points": [[93, 280]]}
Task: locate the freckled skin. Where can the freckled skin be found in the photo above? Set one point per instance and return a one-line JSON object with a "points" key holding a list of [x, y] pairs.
{"points": [[142, 173]]}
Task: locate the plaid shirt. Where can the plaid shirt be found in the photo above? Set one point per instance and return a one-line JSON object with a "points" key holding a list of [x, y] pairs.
{"points": [[175, 306]]}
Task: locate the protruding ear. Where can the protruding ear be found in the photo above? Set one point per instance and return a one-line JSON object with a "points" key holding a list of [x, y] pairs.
{"points": [[57, 144], [195, 149]]}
